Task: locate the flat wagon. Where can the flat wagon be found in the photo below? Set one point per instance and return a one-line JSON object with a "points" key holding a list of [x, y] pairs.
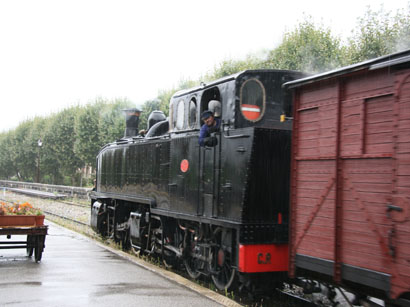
{"points": [[350, 179], [29, 227]]}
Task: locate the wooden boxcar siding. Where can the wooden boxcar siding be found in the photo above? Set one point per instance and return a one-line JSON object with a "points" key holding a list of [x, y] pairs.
{"points": [[314, 152], [401, 192], [366, 167]]}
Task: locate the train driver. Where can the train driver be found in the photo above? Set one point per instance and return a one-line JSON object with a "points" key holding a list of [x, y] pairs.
{"points": [[211, 125]]}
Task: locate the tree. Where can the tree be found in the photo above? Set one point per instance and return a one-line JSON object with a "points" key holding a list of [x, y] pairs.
{"points": [[33, 142], [161, 103], [229, 67], [164, 96], [112, 119], [88, 142], [22, 153], [50, 162], [64, 130], [7, 167], [379, 33], [403, 21], [308, 48], [147, 108]]}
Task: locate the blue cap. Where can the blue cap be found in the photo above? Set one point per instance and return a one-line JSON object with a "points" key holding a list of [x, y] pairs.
{"points": [[206, 114]]}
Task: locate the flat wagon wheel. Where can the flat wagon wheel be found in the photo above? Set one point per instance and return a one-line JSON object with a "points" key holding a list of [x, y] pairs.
{"points": [[38, 250], [223, 273], [30, 248]]}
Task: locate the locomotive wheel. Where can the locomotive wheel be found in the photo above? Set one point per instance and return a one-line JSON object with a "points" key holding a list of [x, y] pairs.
{"points": [[192, 264], [157, 239], [125, 240], [223, 274], [191, 267], [168, 260], [139, 250]]}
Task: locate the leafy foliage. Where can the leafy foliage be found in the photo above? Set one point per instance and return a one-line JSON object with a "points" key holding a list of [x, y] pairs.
{"points": [[88, 142], [7, 165], [22, 155], [309, 48], [379, 33], [147, 108], [70, 140], [64, 129], [111, 123], [229, 67], [50, 163]]}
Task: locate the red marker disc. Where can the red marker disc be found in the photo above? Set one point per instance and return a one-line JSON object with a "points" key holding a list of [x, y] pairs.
{"points": [[184, 165]]}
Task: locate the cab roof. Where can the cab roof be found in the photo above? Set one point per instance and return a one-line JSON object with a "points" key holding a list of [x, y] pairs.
{"points": [[204, 86]]}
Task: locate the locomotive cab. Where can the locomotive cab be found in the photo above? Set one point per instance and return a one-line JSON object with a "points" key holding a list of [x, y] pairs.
{"points": [[244, 179]]}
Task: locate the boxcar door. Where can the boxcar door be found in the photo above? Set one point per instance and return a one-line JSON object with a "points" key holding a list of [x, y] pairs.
{"points": [[210, 160]]}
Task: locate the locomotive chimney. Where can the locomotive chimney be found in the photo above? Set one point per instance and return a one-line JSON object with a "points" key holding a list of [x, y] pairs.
{"points": [[132, 117]]}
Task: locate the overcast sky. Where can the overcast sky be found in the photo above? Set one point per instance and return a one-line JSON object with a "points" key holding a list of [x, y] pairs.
{"points": [[54, 53]]}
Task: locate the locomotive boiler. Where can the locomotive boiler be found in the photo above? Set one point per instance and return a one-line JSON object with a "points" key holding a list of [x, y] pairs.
{"points": [[222, 211]]}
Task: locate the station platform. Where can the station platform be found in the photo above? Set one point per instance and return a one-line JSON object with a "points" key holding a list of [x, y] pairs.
{"points": [[77, 271], [36, 193]]}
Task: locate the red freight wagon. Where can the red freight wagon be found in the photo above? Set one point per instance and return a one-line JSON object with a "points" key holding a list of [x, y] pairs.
{"points": [[350, 182]]}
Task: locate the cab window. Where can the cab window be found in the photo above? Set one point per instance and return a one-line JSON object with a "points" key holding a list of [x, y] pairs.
{"points": [[172, 118], [192, 113], [180, 116], [253, 100]]}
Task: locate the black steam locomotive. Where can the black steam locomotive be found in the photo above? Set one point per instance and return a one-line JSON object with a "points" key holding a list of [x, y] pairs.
{"points": [[222, 211]]}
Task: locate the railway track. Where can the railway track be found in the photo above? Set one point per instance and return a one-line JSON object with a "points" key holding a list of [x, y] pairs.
{"points": [[72, 204], [66, 218]]}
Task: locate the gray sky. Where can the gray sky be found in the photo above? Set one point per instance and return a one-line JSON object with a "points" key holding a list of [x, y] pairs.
{"points": [[56, 53]]}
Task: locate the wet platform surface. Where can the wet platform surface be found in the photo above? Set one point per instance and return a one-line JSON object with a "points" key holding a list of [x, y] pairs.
{"points": [[75, 271]]}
